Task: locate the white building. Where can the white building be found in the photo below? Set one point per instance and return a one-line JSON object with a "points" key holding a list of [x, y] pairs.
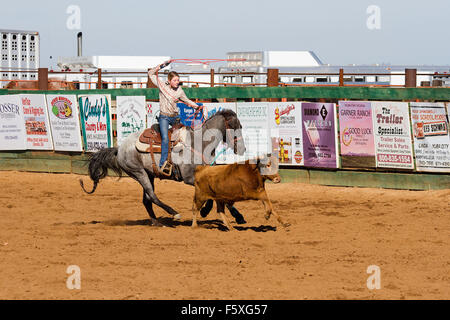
{"points": [[20, 51], [124, 68]]}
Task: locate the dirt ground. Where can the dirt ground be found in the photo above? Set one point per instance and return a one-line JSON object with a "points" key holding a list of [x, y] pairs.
{"points": [[48, 223]]}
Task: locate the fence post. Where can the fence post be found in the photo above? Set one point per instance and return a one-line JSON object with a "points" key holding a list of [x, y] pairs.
{"points": [[410, 78], [212, 77], [43, 78], [150, 84], [99, 78], [272, 80], [341, 77]]}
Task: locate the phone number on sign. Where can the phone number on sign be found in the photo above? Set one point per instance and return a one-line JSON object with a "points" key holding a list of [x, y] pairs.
{"points": [[394, 158]]}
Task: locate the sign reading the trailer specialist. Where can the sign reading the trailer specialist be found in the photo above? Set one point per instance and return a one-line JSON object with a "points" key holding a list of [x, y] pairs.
{"points": [[65, 123], [96, 121], [285, 121], [431, 137], [37, 124], [131, 116], [319, 135], [12, 125], [356, 133], [392, 133]]}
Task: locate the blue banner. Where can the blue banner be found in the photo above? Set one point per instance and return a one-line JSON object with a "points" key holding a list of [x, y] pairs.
{"points": [[187, 115]]}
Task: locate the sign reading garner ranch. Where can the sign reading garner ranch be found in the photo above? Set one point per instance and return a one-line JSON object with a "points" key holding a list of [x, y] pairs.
{"points": [[37, 126], [356, 134], [392, 132], [319, 135], [12, 125], [431, 137], [65, 123], [96, 121]]}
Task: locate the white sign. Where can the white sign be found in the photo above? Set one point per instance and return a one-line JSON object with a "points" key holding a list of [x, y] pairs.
{"points": [[65, 122], [131, 116], [431, 137], [152, 113], [37, 124], [12, 125], [285, 124], [392, 135]]}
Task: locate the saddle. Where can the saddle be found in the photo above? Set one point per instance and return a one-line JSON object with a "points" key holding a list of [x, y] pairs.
{"points": [[150, 142]]}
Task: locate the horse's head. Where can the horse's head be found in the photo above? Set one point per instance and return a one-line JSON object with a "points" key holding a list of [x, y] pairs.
{"points": [[233, 131]]}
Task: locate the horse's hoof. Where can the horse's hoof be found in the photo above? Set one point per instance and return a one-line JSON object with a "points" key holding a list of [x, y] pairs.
{"points": [[267, 216], [287, 224], [241, 221], [177, 217], [156, 223]]}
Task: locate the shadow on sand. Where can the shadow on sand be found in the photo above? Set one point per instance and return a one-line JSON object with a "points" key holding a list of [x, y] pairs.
{"points": [[169, 222]]}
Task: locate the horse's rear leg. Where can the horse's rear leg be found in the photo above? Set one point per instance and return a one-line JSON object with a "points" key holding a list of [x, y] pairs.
{"points": [[143, 178], [149, 207]]}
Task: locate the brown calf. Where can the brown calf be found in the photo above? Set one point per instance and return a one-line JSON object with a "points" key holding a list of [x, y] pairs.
{"points": [[228, 184]]}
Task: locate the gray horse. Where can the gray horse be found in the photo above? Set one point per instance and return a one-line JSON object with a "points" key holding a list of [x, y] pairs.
{"points": [[126, 158]]}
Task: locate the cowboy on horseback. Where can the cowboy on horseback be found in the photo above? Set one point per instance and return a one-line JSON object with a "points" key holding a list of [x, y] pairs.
{"points": [[170, 92]]}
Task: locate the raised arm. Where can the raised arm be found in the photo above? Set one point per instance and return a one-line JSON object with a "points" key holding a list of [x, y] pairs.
{"points": [[186, 100], [153, 73]]}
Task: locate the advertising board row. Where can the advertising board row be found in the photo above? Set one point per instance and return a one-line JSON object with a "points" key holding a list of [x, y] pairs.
{"points": [[354, 134]]}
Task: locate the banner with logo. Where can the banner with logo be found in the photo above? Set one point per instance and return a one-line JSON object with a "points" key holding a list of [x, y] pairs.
{"points": [[152, 113], [37, 124], [95, 111], [64, 120], [131, 116], [319, 135], [431, 136], [285, 124], [392, 135], [12, 124], [356, 134], [189, 116]]}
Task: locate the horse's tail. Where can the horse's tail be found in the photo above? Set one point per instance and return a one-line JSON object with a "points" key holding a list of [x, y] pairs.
{"points": [[99, 163]]}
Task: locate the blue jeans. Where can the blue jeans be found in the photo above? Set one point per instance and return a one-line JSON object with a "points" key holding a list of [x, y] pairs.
{"points": [[164, 122]]}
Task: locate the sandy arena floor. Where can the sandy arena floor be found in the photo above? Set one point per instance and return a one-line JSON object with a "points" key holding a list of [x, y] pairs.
{"points": [[48, 223]]}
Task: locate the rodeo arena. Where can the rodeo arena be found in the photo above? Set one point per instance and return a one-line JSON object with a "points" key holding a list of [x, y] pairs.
{"points": [[291, 179]]}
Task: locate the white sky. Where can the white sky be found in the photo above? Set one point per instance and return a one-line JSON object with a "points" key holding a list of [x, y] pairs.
{"points": [[412, 32]]}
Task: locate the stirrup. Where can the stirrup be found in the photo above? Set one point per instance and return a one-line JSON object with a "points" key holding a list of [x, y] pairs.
{"points": [[166, 169]]}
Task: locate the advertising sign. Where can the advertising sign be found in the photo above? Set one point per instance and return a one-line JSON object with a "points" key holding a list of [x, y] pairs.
{"points": [[95, 113], [131, 116], [12, 124], [356, 134], [431, 137], [285, 123], [37, 124], [65, 123], [392, 135], [319, 134]]}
